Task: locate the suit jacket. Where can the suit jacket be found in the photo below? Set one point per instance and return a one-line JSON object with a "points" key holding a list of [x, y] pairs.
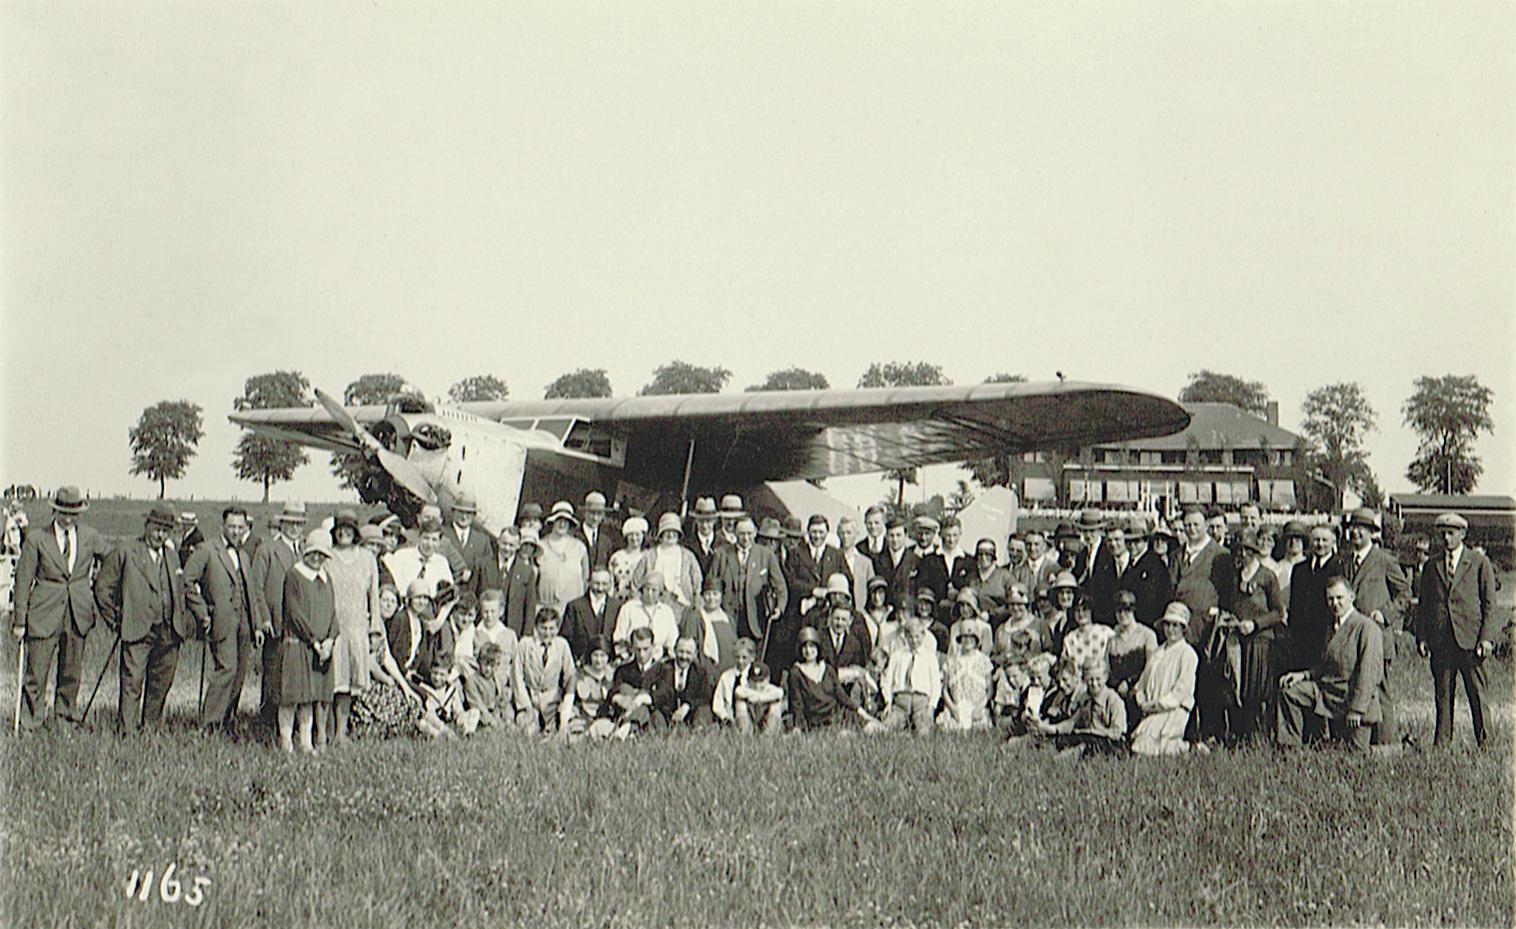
{"points": [[1148, 580], [747, 594], [188, 543], [132, 591], [1100, 586], [1309, 619], [479, 551], [959, 569], [881, 559], [270, 565], [518, 583], [1459, 610], [1351, 669], [803, 573], [1043, 575], [698, 688], [1379, 584], [221, 590], [397, 630], [1209, 581], [46, 591], [705, 557], [855, 649], [606, 541], [931, 571], [901, 575], [859, 569], [581, 624]]}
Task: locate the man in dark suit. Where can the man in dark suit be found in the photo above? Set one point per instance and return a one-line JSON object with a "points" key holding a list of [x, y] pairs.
{"points": [[898, 567], [1381, 592], [190, 536], [273, 560], [514, 573], [1069, 546], [591, 616], [140, 594], [845, 640], [812, 564], [753, 589], [467, 546], [1457, 623], [931, 569], [1111, 560], [682, 689], [875, 526], [597, 535], [55, 605], [1148, 576], [1310, 620], [220, 593], [959, 563], [703, 538]]}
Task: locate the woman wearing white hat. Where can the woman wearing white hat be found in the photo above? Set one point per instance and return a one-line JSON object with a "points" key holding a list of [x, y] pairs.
{"points": [[677, 564], [563, 569], [625, 559], [305, 650], [1165, 692]]}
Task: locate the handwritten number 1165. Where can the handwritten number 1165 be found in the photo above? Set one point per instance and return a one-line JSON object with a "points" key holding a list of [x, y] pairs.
{"points": [[170, 890]]}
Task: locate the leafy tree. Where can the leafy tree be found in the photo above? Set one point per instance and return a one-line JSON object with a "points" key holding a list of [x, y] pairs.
{"points": [[793, 379], [1338, 417], [1448, 413], [365, 391], [164, 440], [903, 374], [680, 377], [478, 388], [1002, 469], [586, 382], [264, 460], [961, 496], [1210, 387]]}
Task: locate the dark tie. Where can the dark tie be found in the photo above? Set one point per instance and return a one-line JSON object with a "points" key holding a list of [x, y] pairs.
{"points": [[68, 549]]}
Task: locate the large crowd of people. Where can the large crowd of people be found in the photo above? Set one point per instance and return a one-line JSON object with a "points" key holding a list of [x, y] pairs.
{"points": [[1104, 636]]}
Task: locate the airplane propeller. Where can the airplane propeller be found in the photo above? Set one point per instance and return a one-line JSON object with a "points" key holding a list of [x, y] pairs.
{"points": [[396, 466]]}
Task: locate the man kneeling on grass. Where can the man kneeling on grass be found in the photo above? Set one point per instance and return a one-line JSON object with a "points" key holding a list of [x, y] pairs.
{"points": [[544, 681], [1342, 690], [681, 689]]}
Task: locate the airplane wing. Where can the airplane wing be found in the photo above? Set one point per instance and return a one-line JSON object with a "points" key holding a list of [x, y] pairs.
{"points": [[743, 439]]}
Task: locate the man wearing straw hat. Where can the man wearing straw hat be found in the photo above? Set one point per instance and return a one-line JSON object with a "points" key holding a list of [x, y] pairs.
{"points": [[140, 593], [55, 605], [598, 537]]}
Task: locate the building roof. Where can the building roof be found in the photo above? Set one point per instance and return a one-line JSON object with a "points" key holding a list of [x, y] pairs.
{"points": [[1219, 425], [1452, 502]]}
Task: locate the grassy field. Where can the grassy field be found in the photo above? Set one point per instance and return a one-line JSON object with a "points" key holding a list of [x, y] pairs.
{"points": [[714, 830]]}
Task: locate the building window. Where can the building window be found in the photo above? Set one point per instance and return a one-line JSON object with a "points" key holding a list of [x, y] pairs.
{"points": [[1210, 456], [1151, 458], [1175, 457]]}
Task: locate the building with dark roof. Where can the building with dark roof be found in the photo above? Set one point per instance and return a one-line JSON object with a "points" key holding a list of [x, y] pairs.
{"points": [[1227, 457]]}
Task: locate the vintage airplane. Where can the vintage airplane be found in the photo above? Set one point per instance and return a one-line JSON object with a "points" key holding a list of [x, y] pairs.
{"points": [[660, 450]]}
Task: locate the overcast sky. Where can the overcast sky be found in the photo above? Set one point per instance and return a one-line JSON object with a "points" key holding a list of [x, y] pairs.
{"points": [[1295, 193]]}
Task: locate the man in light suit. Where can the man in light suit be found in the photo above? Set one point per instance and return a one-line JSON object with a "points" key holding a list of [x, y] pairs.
{"points": [[1204, 578], [271, 563], [140, 594], [753, 591], [55, 605], [1381, 592], [466, 546], [219, 589], [1457, 623], [855, 564], [1343, 688]]}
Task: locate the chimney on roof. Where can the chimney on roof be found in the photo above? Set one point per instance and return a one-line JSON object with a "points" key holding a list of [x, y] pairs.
{"points": [[1271, 412]]}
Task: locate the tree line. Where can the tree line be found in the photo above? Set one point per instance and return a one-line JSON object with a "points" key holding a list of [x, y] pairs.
{"points": [[1447, 413]]}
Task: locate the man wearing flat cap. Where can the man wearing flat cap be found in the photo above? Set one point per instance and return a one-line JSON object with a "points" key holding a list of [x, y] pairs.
{"points": [[272, 562], [1382, 592], [140, 594], [1457, 624], [931, 568], [55, 605]]}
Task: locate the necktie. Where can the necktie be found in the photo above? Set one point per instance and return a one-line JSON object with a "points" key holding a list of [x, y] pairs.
{"points": [[1452, 564], [68, 550]]}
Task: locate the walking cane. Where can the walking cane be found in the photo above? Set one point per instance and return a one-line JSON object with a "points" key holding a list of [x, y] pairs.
{"points": [[103, 668], [20, 670], [200, 703]]}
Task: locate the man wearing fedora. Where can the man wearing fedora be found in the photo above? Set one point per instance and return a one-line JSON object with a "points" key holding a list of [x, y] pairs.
{"points": [[1381, 592], [466, 546], [705, 539], [273, 560], [1457, 623], [219, 590], [598, 537], [141, 595], [1148, 577], [731, 513], [55, 604]]}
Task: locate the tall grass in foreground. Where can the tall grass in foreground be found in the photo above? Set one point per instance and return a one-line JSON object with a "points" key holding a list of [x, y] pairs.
{"points": [[714, 830]]}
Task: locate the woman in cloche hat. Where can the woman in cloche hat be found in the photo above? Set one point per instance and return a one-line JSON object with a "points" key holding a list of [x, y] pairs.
{"points": [[677, 564], [1165, 693], [354, 574], [563, 571]]}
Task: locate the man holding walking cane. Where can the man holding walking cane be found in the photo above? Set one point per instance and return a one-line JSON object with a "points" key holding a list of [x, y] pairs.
{"points": [[55, 606], [139, 592]]}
